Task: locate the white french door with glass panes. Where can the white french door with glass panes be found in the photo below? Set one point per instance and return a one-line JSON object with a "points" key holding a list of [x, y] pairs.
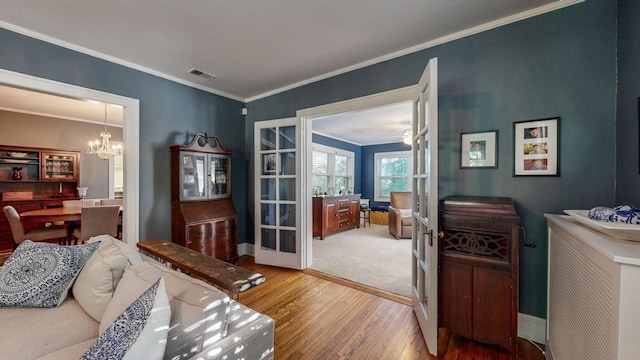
{"points": [[424, 146], [279, 150]]}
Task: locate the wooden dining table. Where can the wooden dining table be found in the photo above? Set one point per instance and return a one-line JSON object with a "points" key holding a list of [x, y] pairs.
{"points": [[53, 214]]}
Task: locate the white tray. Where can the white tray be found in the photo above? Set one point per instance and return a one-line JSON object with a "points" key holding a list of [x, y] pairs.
{"points": [[617, 230]]}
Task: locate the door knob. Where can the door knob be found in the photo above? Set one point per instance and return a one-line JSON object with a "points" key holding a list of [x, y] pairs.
{"points": [[441, 234]]}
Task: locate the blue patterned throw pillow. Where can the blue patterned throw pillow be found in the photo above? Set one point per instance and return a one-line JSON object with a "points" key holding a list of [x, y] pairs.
{"points": [[40, 274], [140, 332]]}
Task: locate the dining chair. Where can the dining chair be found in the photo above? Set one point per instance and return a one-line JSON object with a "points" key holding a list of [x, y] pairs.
{"points": [[71, 226], [118, 202], [19, 234], [97, 220], [79, 203]]}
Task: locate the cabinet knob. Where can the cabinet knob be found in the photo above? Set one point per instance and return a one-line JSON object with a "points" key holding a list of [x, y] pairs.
{"points": [[441, 234]]}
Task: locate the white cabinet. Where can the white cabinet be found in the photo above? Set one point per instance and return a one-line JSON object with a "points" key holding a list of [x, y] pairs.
{"points": [[593, 307]]}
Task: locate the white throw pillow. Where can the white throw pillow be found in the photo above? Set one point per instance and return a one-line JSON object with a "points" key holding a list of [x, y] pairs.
{"points": [[198, 310], [96, 282], [140, 332], [40, 274]]}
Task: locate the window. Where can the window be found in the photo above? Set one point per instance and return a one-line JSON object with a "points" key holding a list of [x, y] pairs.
{"points": [[332, 170], [392, 173]]}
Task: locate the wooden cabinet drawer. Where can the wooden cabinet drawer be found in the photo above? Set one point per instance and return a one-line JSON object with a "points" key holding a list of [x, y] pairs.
{"points": [[343, 203], [22, 207]]}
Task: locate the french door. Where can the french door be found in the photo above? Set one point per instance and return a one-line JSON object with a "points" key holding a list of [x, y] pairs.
{"points": [[425, 205], [279, 210]]}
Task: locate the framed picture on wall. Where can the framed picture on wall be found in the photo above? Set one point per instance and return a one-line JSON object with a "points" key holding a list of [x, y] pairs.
{"points": [[536, 147], [479, 150]]}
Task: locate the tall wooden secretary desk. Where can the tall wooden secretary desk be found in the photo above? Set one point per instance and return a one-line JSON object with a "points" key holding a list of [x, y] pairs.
{"points": [[203, 217]]}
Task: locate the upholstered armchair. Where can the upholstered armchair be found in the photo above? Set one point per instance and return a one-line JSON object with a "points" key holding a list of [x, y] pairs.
{"points": [[400, 214]]}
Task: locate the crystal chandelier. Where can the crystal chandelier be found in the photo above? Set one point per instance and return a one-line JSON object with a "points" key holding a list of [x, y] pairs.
{"points": [[104, 150]]}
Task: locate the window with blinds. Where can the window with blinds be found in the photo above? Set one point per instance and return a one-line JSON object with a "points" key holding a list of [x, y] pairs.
{"points": [[332, 170]]}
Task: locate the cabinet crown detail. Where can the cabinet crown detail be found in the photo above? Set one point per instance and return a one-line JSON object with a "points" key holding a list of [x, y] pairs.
{"points": [[206, 143]]}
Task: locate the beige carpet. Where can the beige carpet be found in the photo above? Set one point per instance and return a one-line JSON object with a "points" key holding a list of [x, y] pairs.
{"points": [[368, 256]]}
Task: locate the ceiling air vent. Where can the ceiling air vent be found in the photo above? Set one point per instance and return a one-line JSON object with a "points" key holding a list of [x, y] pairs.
{"points": [[201, 73]]}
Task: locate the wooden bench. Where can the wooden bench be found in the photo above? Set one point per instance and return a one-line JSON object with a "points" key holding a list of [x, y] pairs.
{"points": [[221, 274]]}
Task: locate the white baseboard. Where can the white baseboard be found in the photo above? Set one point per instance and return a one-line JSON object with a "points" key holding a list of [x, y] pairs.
{"points": [[532, 328], [529, 327], [245, 249]]}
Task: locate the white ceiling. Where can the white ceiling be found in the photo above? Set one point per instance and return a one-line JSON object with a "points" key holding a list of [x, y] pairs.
{"points": [[257, 48]]}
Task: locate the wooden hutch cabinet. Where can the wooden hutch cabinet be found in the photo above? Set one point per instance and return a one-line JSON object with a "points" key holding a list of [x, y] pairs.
{"points": [[34, 178], [478, 269], [203, 217], [333, 214]]}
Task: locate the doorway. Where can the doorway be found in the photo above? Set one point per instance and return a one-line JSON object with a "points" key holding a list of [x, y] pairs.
{"points": [[131, 126], [310, 115]]}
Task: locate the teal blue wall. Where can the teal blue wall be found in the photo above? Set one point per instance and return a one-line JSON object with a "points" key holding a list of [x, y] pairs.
{"points": [[557, 64], [627, 150], [170, 114]]}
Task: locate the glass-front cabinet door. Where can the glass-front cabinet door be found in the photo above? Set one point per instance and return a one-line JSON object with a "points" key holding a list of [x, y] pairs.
{"points": [[204, 176], [219, 175], [59, 166], [192, 176]]}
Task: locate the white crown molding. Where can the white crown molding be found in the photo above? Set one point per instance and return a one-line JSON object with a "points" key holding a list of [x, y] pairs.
{"points": [[455, 36], [97, 54]]}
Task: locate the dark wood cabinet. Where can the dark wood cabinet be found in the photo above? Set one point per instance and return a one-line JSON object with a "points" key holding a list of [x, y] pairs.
{"points": [[333, 214], [478, 269], [34, 178], [203, 216]]}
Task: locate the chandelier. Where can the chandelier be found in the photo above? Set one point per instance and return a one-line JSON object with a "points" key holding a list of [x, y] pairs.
{"points": [[104, 150]]}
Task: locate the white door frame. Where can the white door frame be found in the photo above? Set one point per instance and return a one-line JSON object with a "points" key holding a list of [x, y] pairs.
{"points": [[130, 133], [404, 94]]}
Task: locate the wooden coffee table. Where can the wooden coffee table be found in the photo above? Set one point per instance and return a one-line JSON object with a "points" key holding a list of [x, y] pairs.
{"points": [[216, 272]]}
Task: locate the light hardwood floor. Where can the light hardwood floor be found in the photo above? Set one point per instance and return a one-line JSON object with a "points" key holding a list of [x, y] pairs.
{"points": [[321, 319]]}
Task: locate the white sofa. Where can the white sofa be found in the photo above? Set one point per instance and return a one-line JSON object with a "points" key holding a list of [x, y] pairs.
{"points": [[204, 322]]}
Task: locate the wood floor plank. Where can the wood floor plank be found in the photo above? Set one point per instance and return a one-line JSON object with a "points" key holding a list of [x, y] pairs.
{"points": [[319, 319]]}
